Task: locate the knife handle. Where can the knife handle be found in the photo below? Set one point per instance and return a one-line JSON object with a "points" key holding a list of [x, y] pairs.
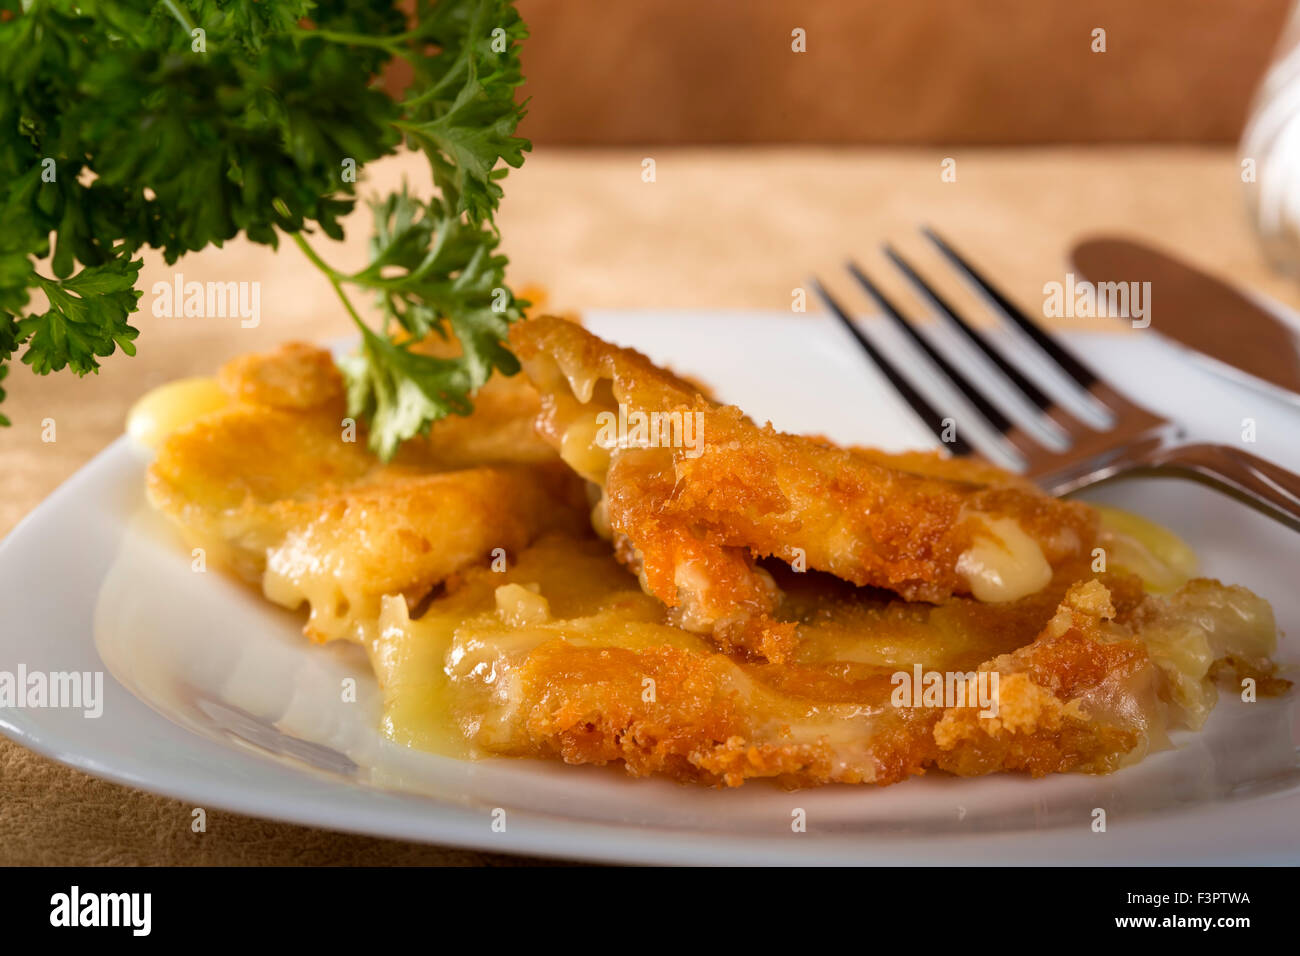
{"points": [[1261, 483]]}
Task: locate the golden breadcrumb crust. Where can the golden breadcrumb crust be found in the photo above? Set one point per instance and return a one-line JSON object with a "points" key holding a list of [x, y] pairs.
{"points": [[280, 486], [692, 521]]}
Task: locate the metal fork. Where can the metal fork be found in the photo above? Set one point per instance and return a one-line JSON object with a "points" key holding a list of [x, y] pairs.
{"points": [[1137, 441]]}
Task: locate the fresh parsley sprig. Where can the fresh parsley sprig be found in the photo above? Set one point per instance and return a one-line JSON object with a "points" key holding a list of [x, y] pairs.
{"points": [[184, 123]]}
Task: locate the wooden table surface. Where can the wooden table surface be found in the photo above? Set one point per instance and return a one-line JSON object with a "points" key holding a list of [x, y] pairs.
{"points": [[716, 228]]}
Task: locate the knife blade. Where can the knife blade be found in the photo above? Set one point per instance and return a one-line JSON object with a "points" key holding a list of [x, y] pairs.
{"points": [[1239, 337]]}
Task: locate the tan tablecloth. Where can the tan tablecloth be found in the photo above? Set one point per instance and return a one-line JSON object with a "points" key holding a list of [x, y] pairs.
{"points": [[715, 229]]}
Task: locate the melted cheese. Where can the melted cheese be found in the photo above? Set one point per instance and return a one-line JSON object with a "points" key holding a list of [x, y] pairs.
{"points": [[1131, 543], [522, 604], [408, 660], [445, 683], [295, 574], [1201, 623], [1003, 563], [581, 448], [167, 408]]}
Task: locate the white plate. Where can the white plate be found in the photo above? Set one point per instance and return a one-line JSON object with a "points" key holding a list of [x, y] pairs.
{"points": [[213, 697]]}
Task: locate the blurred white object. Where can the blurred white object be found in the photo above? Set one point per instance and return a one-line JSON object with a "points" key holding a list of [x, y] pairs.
{"points": [[1270, 152]]}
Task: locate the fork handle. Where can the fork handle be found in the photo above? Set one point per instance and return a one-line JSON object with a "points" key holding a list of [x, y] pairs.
{"points": [[1269, 487]]}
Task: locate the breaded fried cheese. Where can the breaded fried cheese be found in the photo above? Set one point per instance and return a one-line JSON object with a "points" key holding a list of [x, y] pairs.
{"points": [[693, 491], [673, 629], [278, 485], [563, 657]]}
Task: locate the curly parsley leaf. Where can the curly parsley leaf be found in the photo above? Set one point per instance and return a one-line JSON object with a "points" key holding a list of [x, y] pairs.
{"points": [[433, 273], [400, 391], [86, 319], [9, 342], [463, 109]]}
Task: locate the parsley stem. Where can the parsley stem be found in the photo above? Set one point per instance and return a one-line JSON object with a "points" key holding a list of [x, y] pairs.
{"points": [[335, 279], [394, 43], [179, 14], [315, 258]]}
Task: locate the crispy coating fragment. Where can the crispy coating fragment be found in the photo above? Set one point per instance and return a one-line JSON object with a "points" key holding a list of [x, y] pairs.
{"points": [[281, 488], [690, 509]]}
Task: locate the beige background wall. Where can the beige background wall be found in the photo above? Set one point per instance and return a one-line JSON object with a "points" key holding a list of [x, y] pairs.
{"points": [[893, 71]]}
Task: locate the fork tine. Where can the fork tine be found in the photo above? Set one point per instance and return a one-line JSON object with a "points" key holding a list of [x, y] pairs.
{"points": [[1035, 395], [1059, 421], [992, 414], [932, 419], [1068, 362]]}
